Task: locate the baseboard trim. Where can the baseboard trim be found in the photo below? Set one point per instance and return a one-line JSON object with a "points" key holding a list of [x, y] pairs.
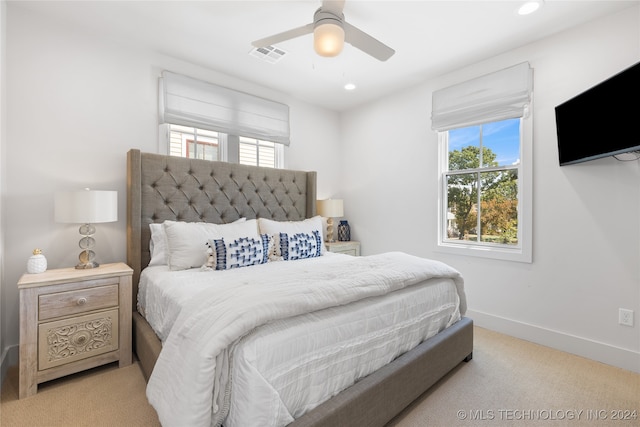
{"points": [[10, 357], [601, 352]]}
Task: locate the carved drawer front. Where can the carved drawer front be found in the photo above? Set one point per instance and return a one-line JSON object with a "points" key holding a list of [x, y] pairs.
{"points": [[69, 303], [77, 338]]}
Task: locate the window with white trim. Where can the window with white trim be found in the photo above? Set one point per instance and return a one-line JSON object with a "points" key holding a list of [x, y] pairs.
{"points": [[205, 121], [481, 183], [194, 143], [257, 152], [485, 166]]}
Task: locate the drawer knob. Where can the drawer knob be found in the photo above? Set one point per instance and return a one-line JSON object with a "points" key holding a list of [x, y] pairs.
{"points": [[82, 301]]}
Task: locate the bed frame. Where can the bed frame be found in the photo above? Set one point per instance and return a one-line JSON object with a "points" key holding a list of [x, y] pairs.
{"points": [[163, 188]]}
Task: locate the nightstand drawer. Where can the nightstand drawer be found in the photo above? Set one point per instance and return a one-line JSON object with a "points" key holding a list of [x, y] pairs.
{"points": [[77, 338], [69, 303], [348, 248], [352, 252]]}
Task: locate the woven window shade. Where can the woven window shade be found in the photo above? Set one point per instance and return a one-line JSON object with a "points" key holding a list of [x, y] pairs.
{"points": [[190, 102], [505, 94]]}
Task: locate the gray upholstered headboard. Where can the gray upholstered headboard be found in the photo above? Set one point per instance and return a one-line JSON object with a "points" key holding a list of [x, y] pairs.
{"points": [[163, 188]]}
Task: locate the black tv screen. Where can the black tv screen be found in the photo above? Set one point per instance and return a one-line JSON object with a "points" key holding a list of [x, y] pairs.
{"points": [[602, 121]]}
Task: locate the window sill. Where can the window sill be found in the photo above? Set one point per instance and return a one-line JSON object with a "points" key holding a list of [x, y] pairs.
{"points": [[516, 254]]}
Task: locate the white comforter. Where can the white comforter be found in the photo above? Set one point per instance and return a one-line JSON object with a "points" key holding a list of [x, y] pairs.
{"points": [[189, 384]]}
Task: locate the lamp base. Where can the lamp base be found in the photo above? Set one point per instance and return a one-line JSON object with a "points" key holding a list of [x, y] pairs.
{"points": [[83, 266], [86, 258], [330, 230]]}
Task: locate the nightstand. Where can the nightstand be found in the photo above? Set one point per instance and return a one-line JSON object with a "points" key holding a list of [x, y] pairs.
{"points": [[349, 248], [72, 320]]}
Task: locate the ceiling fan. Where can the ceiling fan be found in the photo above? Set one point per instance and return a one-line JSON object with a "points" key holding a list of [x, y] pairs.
{"points": [[330, 31]]}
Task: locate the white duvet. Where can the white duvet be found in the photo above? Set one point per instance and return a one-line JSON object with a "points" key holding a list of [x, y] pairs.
{"points": [[190, 384]]}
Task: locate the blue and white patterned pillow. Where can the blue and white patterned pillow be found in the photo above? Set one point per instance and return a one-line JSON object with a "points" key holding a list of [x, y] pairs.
{"points": [[311, 227], [241, 251], [300, 245]]}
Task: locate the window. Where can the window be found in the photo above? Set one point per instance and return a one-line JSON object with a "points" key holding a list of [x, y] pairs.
{"points": [[485, 134], [260, 153], [483, 206], [194, 143], [481, 183], [206, 121]]}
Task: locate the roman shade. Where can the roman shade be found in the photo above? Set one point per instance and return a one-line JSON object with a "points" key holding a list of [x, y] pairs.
{"points": [[190, 102], [502, 95]]}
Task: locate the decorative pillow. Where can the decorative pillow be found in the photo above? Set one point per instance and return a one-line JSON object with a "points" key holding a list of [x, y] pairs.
{"points": [[240, 252], [158, 245], [300, 245], [305, 227], [186, 241]]}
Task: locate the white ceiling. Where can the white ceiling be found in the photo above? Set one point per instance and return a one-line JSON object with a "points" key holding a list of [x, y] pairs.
{"points": [[430, 37]]}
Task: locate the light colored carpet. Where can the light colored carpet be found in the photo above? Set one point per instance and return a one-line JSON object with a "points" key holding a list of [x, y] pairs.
{"points": [[103, 396], [509, 382]]}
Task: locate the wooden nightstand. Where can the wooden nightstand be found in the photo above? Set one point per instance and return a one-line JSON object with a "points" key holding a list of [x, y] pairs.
{"points": [[72, 320], [349, 248]]}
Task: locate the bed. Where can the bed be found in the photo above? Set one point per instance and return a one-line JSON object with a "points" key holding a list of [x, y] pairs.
{"points": [[177, 191]]}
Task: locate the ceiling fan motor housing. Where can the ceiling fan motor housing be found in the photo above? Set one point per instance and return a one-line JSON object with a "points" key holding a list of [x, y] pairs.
{"points": [[323, 17]]}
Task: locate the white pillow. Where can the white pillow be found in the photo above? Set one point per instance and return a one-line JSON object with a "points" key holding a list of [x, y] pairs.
{"points": [[313, 242], [187, 241], [158, 245]]}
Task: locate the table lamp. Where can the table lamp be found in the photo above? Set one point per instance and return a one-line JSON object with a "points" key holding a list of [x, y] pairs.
{"points": [[86, 207], [330, 208]]}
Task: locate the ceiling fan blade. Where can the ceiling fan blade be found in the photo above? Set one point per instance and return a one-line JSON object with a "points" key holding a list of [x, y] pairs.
{"points": [[286, 35], [334, 6], [366, 43]]}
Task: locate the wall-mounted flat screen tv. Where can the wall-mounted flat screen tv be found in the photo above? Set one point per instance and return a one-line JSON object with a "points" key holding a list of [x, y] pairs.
{"points": [[602, 121]]}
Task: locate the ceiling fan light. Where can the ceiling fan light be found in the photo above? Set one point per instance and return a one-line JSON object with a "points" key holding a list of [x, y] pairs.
{"points": [[328, 39]]}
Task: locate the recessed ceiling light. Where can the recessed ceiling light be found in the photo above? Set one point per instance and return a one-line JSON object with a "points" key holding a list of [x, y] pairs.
{"points": [[529, 7], [349, 86]]}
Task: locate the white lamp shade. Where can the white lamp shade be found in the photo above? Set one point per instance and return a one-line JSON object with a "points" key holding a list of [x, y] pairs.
{"points": [[328, 39], [330, 208], [86, 206]]}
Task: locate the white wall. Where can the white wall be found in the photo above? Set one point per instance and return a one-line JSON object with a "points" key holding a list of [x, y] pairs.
{"points": [[75, 106], [586, 218], [3, 14]]}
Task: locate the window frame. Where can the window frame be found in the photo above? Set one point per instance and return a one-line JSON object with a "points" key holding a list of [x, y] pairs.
{"points": [[278, 150], [228, 147], [198, 144], [522, 252]]}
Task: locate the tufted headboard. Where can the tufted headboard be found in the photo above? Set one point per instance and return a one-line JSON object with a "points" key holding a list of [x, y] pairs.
{"points": [[163, 188]]}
